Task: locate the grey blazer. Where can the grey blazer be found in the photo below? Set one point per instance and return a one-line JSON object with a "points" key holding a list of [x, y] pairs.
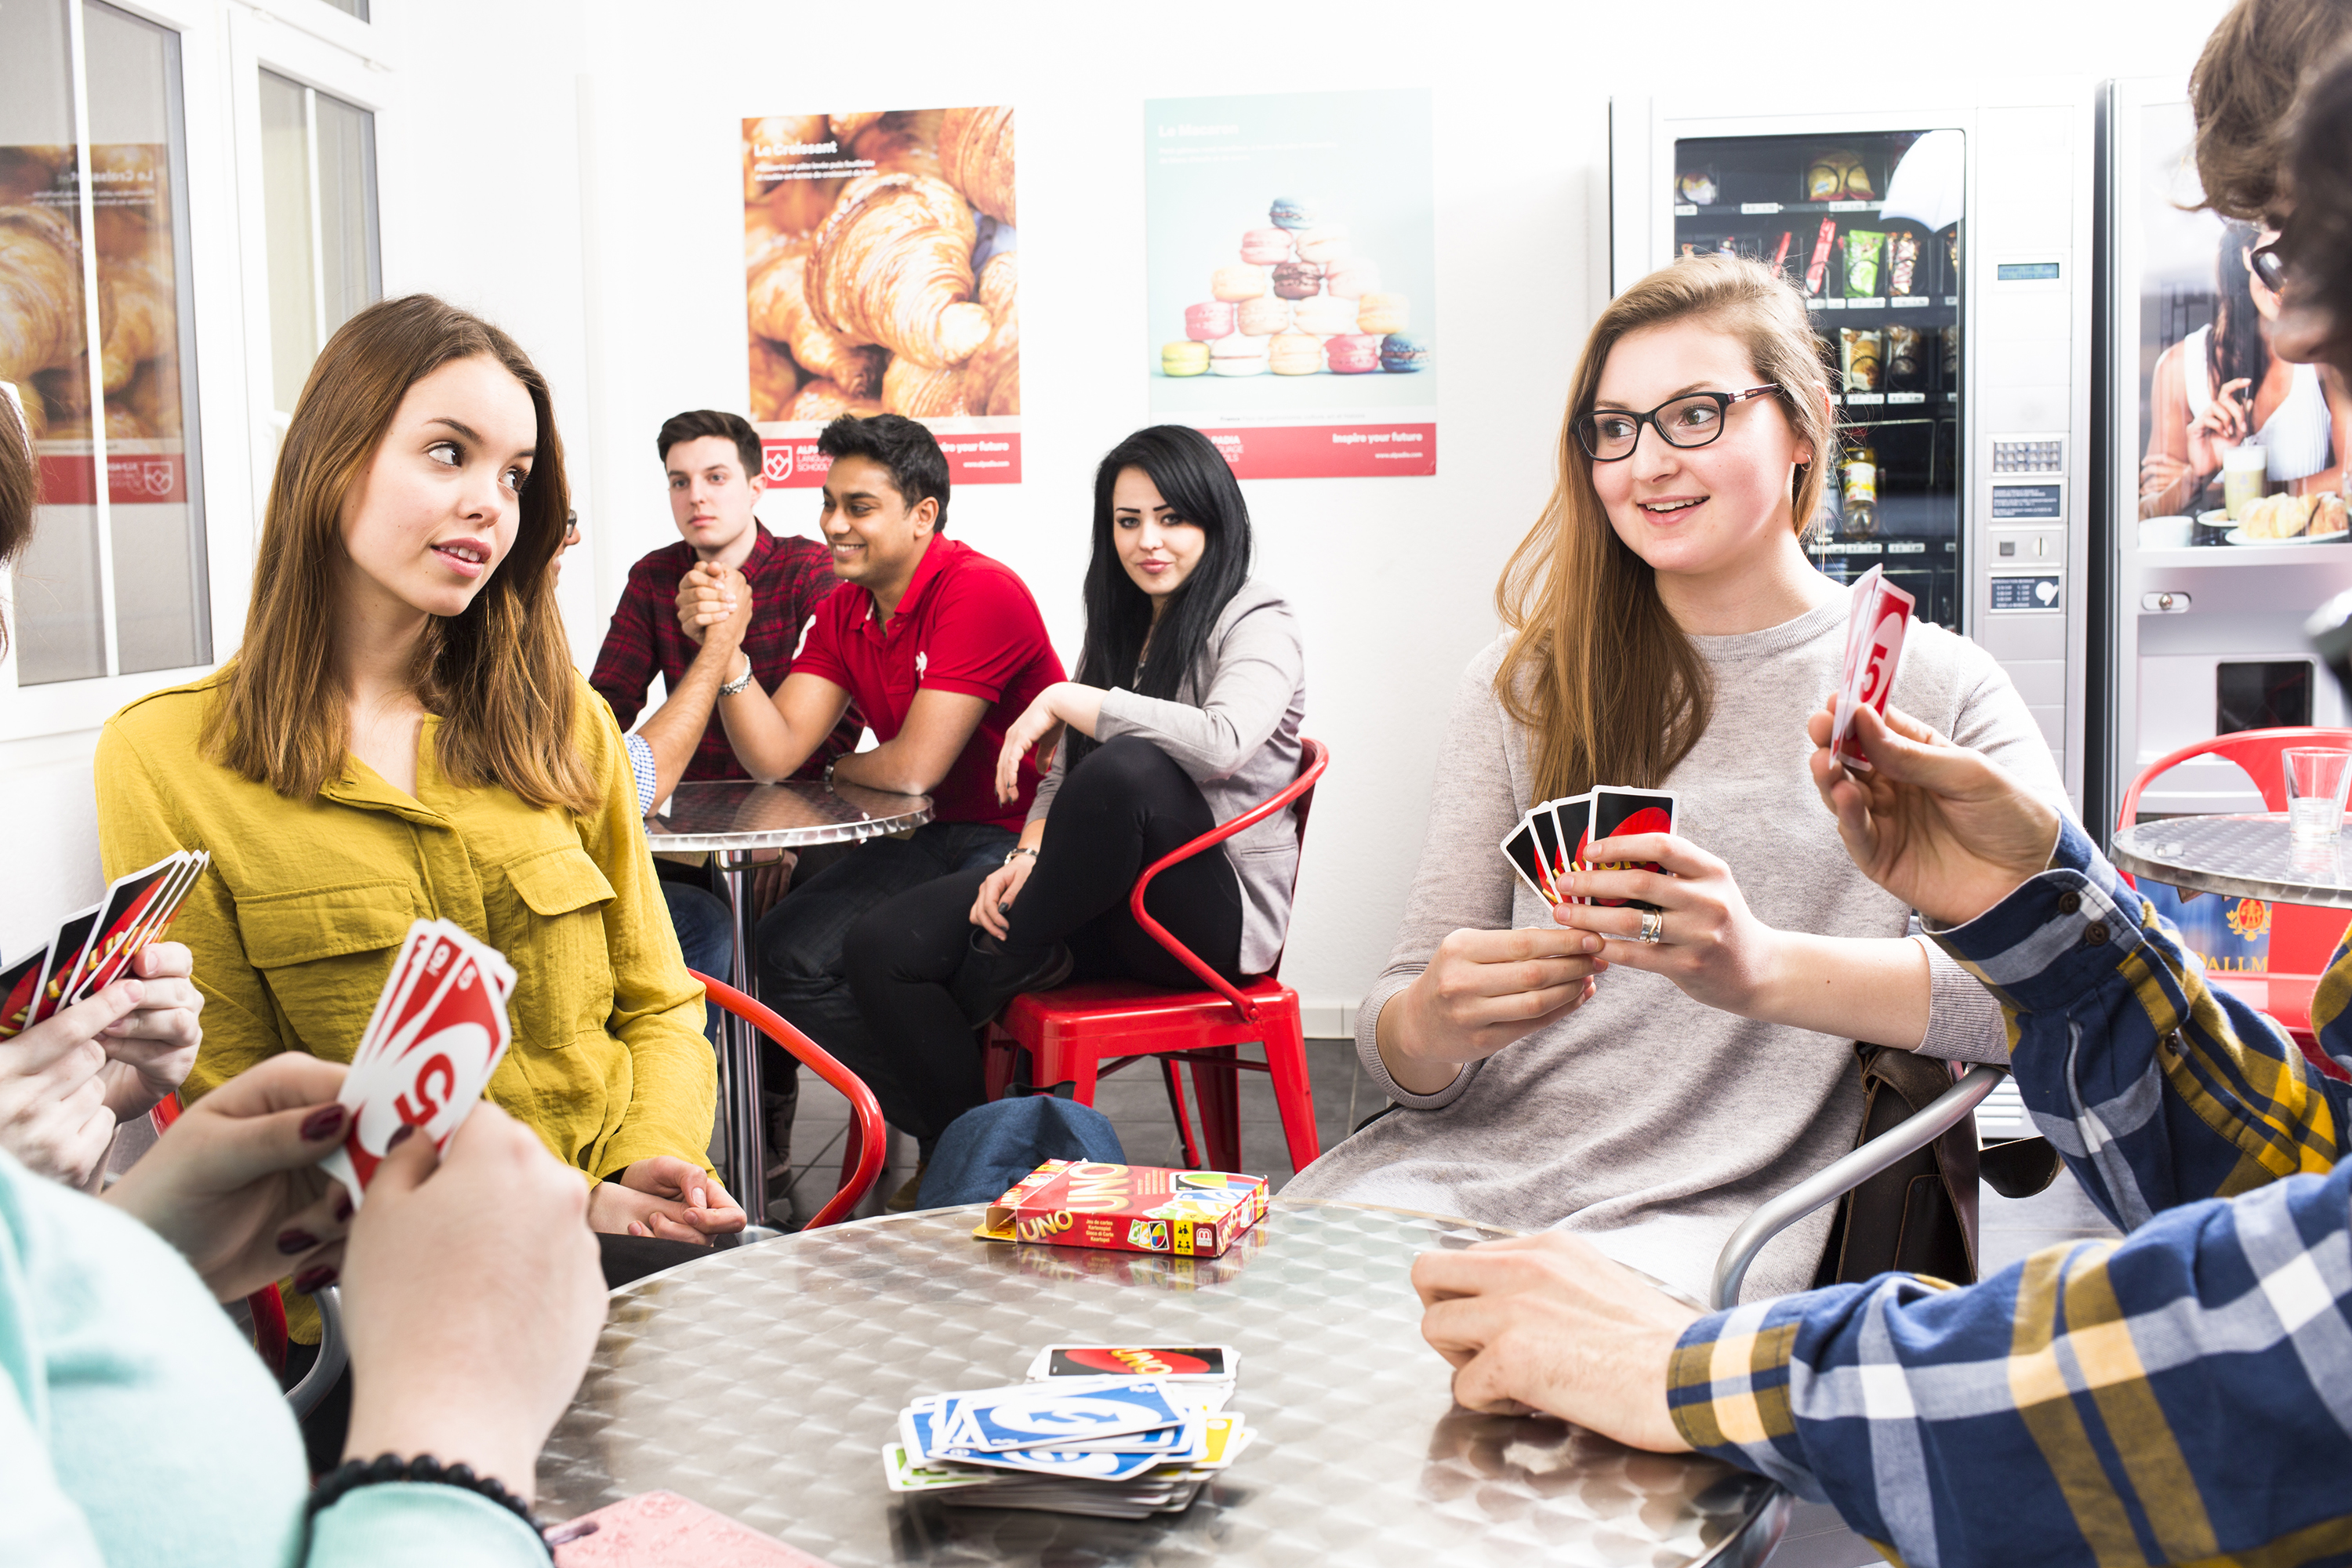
{"points": [[1234, 732]]}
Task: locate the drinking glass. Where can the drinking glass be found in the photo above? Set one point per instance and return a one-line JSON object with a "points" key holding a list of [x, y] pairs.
{"points": [[2316, 779]]}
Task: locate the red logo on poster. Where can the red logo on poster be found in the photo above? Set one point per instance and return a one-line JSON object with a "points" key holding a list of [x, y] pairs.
{"points": [[2249, 919], [775, 462]]}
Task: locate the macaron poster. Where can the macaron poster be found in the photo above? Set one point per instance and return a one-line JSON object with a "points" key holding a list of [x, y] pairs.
{"points": [[1292, 272], [881, 269]]}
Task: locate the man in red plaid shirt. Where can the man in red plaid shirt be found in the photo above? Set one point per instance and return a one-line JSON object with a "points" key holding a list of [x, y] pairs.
{"points": [[713, 464]]}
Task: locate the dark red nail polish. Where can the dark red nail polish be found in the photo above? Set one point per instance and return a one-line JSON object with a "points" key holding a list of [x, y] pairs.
{"points": [[399, 1134], [312, 1280], [292, 1242], [322, 1123], [342, 1208]]}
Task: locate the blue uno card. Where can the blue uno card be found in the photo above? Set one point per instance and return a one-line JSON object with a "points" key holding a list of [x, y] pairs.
{"points": [[1030, 1415]]}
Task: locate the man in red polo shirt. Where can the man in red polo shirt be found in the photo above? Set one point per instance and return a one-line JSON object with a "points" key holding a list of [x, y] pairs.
{"points": [[941, 649]]}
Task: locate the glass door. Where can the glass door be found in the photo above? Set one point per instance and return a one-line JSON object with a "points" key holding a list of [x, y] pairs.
{"points": [[1868, 227]]}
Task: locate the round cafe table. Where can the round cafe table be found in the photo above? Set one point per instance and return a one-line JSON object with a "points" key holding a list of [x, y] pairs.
{"points": [[734, 822], [765, 1383], [2244, 857]]}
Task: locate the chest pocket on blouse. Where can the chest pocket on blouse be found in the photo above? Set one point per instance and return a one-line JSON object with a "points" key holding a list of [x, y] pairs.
{"points": [[566, 953], [324, 952]]}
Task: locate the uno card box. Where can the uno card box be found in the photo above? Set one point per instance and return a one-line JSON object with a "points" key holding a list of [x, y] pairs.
{"points": [[1127, 1208]]}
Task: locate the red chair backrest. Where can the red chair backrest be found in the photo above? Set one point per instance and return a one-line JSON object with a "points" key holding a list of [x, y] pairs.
{"points": [[867, 1131], [1314, 760], [2255, 752]]}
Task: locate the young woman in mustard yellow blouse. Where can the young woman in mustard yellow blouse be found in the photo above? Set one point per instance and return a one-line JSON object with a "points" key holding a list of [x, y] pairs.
{"points": [[403, 736]]}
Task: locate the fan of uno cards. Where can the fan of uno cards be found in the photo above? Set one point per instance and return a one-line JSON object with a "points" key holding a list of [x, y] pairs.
{"points": [[1555, 837]]}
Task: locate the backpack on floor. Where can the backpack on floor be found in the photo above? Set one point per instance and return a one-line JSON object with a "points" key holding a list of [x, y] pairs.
{"points": [[990, 1147]]}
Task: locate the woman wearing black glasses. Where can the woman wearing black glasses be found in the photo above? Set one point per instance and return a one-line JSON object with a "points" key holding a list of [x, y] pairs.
{"points": [[2223, 386], [1665, 630]]}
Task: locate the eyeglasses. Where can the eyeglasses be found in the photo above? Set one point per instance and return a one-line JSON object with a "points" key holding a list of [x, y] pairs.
{"points": [[2265, 263], [1694, 419]]}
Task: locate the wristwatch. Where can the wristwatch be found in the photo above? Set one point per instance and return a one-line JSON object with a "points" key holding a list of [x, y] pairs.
{"points": [[732, 687], [1016, 855]]}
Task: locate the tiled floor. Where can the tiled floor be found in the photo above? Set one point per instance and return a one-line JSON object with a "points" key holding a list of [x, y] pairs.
{"points": [[1138, 1106], [1136, 1103]]}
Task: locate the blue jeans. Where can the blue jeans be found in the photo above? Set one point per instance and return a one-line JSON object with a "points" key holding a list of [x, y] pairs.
{"points": [[803, 973], [706, 934]]}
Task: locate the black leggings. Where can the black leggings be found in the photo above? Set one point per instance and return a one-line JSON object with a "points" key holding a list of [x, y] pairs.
{"points": [[1118, 811]]}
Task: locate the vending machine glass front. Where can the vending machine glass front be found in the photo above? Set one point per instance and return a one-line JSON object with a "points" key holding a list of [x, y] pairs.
{"points": [[1868, 228]]}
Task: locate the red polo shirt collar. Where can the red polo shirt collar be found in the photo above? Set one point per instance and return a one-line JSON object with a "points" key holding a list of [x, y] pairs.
{"points": [[927, 571]]}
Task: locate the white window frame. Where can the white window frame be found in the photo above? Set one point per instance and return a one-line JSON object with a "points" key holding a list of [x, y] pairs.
{"points": [[224, 45]]}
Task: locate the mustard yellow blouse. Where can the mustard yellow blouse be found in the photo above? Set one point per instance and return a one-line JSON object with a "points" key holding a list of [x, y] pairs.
{"points": [[295, 925]]}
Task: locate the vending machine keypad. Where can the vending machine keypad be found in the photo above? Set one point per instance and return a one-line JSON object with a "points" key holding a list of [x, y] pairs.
{"points": [[2029, 456]]}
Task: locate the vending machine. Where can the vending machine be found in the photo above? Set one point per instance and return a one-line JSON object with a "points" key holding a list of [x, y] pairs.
{"points": [[2226, 472], [1943, 248]]}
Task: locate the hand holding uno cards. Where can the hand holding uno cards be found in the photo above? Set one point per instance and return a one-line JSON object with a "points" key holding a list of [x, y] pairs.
{"points": [[93, 947], [437, 1033], [1555, 837], [1875, 628]]}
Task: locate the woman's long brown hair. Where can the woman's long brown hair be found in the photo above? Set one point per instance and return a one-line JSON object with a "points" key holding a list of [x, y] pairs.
{"points": [[1610, 690], [500, 675]]}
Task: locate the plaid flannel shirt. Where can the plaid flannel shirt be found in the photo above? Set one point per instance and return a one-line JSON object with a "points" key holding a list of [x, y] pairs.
{"points": [[789, 579], [2181, 1396]]}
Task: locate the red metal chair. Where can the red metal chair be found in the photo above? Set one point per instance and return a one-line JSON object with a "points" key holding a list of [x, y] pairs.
{"points": [[1069, 1032], [2303, 939], [861, 1155], [264, 1306]]}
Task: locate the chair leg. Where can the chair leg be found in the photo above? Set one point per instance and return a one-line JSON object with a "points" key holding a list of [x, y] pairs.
{"points": [[1216, 1087], [996, 1060], [1285, 1060], [1183, 1118]]}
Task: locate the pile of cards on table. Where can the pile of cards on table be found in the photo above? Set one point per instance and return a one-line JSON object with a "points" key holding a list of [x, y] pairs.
{"points": [[437, 1035], [1551, 839], [1874, 624], [1077, 1437], [93, 947]]}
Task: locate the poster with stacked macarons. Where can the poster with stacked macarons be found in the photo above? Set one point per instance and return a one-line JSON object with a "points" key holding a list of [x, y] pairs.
{"points": [[1292, 269], [881, 267]]}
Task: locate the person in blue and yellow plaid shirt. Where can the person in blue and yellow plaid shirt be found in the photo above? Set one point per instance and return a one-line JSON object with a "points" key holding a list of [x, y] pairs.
{"points": [[2181, 1396]]}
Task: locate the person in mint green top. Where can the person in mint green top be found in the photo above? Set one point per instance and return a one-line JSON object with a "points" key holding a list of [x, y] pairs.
{"points": [[136, 1426]]}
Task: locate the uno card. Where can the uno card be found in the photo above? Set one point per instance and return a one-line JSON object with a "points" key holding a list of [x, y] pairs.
{"points": [[1617, 812], [20, 982], [906, 1473], [135, 910], [1571, 823], [1550, 859], [430, 1070], [1875, 629], [66, 949], [1032, 1415], [1189, 1363], [1519, 848]]}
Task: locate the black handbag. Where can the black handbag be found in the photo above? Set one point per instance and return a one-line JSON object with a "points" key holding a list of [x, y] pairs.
{"points": [[1920, 1216]]}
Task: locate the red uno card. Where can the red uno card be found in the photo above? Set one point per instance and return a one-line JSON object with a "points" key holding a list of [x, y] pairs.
{"points": [[1618, 813], [66, 949], [1185, 1363], [20, 982], [1875, 627], [429, 1064], [136, 911], [1521, 848], [1571, 820]]}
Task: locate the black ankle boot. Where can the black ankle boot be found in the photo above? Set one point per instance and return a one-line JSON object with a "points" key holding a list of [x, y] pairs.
{"points": [[993, 974]]}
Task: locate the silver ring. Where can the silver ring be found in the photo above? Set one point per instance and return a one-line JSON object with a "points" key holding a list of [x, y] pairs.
{"points": [[1653, 927]]}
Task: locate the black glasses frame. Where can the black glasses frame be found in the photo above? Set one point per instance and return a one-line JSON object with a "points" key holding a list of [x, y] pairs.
{"points": [[2267, 263], [1586, 435]]}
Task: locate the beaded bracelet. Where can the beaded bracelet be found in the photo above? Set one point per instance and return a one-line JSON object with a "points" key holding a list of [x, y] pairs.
{"points": [[352, 1474]]}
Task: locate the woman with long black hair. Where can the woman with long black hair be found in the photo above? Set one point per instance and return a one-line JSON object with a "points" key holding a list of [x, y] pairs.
{"points": [[1185, 713]]}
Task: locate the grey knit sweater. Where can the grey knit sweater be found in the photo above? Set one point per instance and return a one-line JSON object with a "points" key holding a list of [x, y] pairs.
{"points": [[1644, 1118]]}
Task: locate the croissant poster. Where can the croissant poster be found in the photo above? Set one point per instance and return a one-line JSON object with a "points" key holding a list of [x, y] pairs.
{"points": [[880, 271], [1292, 273]]}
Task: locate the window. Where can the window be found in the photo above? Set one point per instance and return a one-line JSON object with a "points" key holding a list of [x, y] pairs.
{"points": [[318, 174], [94, 248]]}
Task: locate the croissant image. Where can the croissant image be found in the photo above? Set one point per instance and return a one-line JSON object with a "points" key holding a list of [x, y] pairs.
{"points": [[130, 178], [793, 207], [846, 127], [903, 141], [26, 170], [976, 158], [40, 292], [892, 265], [991, 378], [135, 313], [918, 394], [774, 379], [822, 400], [780, 313], [154, 394], [761, 238]]}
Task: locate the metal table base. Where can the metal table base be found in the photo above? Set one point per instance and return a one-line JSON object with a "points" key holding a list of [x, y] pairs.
{"points": [[734, 822]]}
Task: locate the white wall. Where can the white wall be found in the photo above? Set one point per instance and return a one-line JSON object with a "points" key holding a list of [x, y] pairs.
{"points": [[572, 171]]}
